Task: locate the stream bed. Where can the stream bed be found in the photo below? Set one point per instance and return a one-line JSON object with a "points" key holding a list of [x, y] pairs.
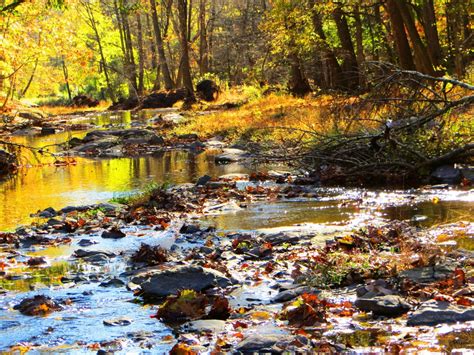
{"points": [[80, 327]]}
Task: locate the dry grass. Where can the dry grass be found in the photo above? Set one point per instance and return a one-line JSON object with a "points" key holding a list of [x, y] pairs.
{"points": [[69, 110], [274, 117]]}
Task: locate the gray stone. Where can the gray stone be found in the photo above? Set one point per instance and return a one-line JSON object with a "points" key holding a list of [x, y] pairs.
{"points": [[112, 283], [288, 295], [203, 180], [81, 253], [113, 233], [429, 273], [281, 238], [263, 343], [230, 155], [446, 174], [117, 322], [205, 325], [389, 306], [468, 173], [158, 283], [435, 312]]}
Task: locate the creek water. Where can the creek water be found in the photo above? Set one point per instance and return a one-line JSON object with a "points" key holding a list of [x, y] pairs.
{"points": [[97, 180]]}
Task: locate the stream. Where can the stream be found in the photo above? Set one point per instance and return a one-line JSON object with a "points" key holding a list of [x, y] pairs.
{"points": [[95, 180]]}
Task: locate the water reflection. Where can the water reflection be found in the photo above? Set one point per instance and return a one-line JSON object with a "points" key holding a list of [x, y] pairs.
{"points": [[97, 180]]}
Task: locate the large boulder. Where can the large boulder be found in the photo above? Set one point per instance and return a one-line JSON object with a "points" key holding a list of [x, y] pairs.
{"points": [[389, 305], [435, 312], [164, 99], [446, 174], [208, 90], [84, 101], [159, 283]]}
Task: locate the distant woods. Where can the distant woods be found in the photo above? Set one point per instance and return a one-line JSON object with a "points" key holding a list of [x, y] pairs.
{"points": [[126, 48]]}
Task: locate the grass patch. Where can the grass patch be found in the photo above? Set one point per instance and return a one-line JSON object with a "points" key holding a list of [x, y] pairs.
{"points": [[142, 197], [274, 117]]}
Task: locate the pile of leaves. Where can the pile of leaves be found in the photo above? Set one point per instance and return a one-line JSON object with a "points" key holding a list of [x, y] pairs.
{"points": [[372, 253], [150, 255], [306, 311], [191, 305]]}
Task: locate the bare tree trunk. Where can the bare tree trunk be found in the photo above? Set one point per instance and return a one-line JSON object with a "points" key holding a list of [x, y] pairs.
{"points": [[330, 77], [141, 56], [30, 80], [422, 58], [203, 57], [431, 31], [66, 79], [401, 41], [183, 27], [93, 25], [161, 49], [349, 66], [298, 84]]}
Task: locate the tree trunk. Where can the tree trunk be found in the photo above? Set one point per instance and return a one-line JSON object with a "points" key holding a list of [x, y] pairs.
{"points": [[330, 77], [422, 59], [93, 25], [298, 84], [431, 32], [349, 65], [401, 41], [161, 49], [183, 35], [203, 57], [141, 56], [130, 67], [66, 80]]}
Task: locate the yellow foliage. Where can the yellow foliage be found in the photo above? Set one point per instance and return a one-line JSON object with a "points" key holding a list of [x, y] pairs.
{"points": [[275, 117]]}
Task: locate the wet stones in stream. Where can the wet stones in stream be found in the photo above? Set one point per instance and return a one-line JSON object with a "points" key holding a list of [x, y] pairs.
{"points": [[94, 256], [115, 142], [157, 282], [37, 305], [113, 233], [436, 312]]}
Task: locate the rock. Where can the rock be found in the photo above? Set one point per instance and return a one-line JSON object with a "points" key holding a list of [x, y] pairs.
{"points": [[206, 325], [81, 253], [86, 242], [37, 305], [196, 146], [85, 101], [113, 233], [429, 273], [203, 180], [208, 90], [272, 343], [189, 229], [173, 117], [156, 140], [31, 115], [234, 177], [446, 174], [306, 180], [468, 174], [164, 98], [112, 283], [189, 136], [117, 322], [435, 312], [281, 238], [36, 261], [158, 283], [389, 306], [48, 130], [230, 155], [48, 213], [288, 295]]}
